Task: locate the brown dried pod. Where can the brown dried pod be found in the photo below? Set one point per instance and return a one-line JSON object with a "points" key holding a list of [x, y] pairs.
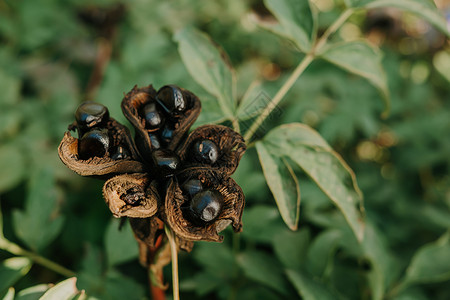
{"points": [[121, 156], [216, 146], [177, 205], [171, 129], [131, 195]]}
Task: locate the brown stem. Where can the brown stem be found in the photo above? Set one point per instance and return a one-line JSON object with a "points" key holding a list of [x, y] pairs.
{"points": [[157, 292], [104, 50]]}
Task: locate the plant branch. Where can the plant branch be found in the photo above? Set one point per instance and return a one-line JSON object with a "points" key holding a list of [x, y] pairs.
{"points": [[279, 96], [306, 61], [174, 253], [17, 250]]}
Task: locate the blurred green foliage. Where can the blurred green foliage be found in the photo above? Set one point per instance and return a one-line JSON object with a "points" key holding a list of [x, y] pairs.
{"points": [[56, 54]]}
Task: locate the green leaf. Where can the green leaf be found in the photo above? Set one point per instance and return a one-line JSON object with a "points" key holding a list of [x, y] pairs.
{"points": [[326, 168], [32, 293], [425, 9], [10, 294], [40, 223], [297, 21], [431, 263], [10, 87], [321, 251], [11, 270], [264, 269], [253, 102], [120, 244], [283, 183], [309, 288], [12, 164], [65, 290], [362, 59], [258, 231], [208, 65], [290, 247]]}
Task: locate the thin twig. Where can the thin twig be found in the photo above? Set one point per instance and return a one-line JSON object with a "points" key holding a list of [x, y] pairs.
{"points": [[174, 252], [306, 61], [17, 250]]}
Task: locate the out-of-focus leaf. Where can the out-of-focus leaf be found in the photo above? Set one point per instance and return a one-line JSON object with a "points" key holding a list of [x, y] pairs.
{"points": [[215, 257], [283, 183], [11, 270], [264, 269], [253, 102], [12, 166], [321, 251], [297, 21], [10, 87], [309, 288], [362, 59], [65, 290], [208, 65], [120, 244], [118, 287], [425, 9], [40, 222], [262, 223], [441, 61], [211, 113], [32, 293], [431, 263], [383, 267], [314, 156], [290, 248], [9, 123], [10, 294]]}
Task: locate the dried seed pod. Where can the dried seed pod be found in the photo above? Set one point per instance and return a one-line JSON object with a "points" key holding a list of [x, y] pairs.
{"points": [[217, 146], [131, 195], [135, 101], [177, 203], [90, 114], [107, 165]]}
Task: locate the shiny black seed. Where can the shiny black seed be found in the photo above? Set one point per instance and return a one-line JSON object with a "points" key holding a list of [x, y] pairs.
{"points": [[152, 116], [93, 143], [90, 114], [154, 140], [167, 134], [205, 151], [166, 161], [171, 99], [120, 153], [192, 187], [206, 205]]}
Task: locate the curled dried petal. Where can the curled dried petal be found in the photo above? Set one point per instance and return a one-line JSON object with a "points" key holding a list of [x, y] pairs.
{"points": [[176, 203], [225, 146], [131, 195], [120, 158]]}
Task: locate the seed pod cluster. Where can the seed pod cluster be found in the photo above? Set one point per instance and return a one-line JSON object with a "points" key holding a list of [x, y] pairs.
{"points": [[164, 175]]}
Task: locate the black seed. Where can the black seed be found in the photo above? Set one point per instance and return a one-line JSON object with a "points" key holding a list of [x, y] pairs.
{"points": [[166, 161], [206, 205], [167, 134], [120, 153], [171, 99], [154, 140], [205, 151], [152, 116], [90, 114], [192, 187], [93, 143]]}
